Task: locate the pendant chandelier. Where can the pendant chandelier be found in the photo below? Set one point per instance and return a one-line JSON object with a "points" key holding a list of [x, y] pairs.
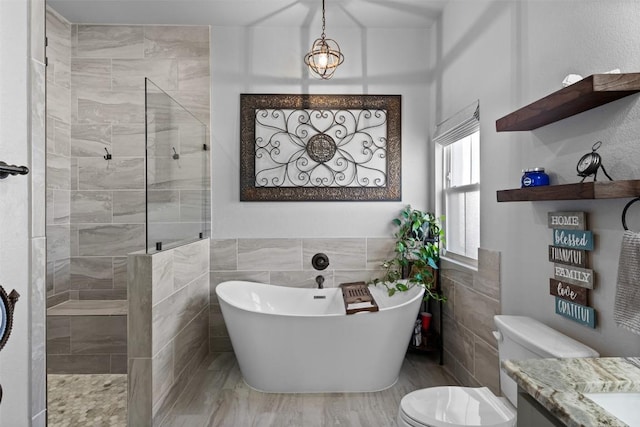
{"points": [[324, 56]]}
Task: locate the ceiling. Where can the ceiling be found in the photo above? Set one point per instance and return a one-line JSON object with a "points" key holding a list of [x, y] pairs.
{"points": [[299, 13]]}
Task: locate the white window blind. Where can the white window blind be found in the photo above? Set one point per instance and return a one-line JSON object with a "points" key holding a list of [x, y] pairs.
{"points": [[462, 124]]}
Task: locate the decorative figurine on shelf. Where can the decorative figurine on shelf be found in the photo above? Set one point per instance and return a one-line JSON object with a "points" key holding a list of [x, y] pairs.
{"points": [[7, 302], [590, 163]]}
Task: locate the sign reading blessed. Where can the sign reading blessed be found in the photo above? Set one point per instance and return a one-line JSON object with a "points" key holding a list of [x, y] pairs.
{"points": [[320, 147], [571, 279], [574, 239]]}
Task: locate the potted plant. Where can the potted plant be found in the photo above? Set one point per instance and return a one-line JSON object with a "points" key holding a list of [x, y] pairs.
{"points": [[417, 253]]}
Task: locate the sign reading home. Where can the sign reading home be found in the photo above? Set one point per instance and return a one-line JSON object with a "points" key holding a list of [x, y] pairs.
{"points": [[571, 277], [567, 220]]}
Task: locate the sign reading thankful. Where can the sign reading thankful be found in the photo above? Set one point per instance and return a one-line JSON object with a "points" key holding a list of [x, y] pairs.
{"points": [[571, 279], [568, 256]]}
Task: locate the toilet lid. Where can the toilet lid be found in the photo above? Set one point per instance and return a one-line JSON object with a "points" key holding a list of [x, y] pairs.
{"points": [[457, 407]]}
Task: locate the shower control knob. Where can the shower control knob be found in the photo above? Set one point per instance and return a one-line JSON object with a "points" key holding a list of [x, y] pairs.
{"points": [[320, 261]]}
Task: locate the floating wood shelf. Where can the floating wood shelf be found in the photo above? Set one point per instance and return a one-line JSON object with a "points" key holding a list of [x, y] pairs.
{"points": [[588, 93], [584, 190]]}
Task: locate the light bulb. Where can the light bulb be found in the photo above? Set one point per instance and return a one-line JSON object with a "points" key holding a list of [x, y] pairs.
{"points": [[322, 60]]}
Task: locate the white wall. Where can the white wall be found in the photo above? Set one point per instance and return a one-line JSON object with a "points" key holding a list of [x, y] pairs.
{"points": [[15, 358], [269, 60], [508, 54]]}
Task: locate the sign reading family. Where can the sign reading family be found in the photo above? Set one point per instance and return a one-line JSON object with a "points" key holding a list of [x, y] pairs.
{"points": [[571, 277]]}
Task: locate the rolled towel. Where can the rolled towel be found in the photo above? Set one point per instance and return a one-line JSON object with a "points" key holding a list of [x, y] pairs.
{"points": [[626, 310]]}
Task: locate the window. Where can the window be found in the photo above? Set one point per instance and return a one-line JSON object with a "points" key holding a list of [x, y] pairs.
{"points": [[458, 182]]}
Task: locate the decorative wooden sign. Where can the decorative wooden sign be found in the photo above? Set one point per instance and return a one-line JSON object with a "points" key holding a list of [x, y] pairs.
{"points": [[568, 256], [574, 239], [575, 275], [572, 279], [576, 312], [568, 292], [567, 220]]}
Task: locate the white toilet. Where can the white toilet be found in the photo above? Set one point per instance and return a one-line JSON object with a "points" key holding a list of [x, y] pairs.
{"points": [[518, 338]]}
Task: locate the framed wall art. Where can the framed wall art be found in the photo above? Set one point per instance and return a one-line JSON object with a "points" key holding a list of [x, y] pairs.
{"points": [[320, 147]]}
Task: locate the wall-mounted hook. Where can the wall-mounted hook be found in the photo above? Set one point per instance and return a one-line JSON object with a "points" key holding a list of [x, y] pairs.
{"points": [[108, 155], [175, 156]]}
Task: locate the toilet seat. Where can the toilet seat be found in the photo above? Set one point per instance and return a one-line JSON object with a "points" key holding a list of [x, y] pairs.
{"points": [[455, 407]]}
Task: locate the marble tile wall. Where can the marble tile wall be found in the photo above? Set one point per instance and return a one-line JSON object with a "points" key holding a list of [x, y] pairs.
{"points": [[87, 337], [58, 157], [287, 262], [96, 210], [470, 350], [168, 332]]}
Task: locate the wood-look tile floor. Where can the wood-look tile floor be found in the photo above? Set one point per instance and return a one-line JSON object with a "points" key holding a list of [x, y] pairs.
{"points": [[217, 396]]}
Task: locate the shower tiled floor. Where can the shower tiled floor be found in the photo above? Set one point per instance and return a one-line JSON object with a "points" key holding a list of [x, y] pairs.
{"points": [[217, 396], [96, 400]]}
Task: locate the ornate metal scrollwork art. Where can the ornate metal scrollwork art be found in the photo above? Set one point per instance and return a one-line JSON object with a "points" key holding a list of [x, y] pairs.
{"points": [[320, 147], [7, 303]]}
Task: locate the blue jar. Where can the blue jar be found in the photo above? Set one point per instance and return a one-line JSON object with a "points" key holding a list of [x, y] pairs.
{"points": [[534, 177]]}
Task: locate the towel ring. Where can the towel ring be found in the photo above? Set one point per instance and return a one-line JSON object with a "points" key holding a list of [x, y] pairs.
{"points": [[624, 212]]}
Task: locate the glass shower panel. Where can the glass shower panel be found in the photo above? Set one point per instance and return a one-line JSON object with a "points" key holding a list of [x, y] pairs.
{"points": [[178, 187]]}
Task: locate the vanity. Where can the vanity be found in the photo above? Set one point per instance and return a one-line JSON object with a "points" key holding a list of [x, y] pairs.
{"points": [[564, 392]]}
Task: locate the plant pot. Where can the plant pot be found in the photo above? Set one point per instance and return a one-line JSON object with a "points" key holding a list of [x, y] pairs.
{"points": [[426, 320]]}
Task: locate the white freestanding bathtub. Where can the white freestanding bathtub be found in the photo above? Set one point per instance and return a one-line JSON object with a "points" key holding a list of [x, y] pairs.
{"points": [[292, 340]]}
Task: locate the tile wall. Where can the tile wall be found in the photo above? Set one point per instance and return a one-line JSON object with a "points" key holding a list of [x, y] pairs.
{"points": [[287, 262], [58, 161], [96, 207], [470, 350], [168, 335], [87, 337], [37, 177]]}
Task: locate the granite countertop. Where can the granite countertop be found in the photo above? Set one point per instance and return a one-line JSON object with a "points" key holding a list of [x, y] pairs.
{"points": [[558, 384]]}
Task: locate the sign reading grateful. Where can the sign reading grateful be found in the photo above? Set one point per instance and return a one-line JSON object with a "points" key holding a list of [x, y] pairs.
{"points": [[576, 312], [571, 277]]}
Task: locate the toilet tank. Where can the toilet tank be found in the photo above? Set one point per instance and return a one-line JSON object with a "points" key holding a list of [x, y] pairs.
{"points": [[521, 337]]}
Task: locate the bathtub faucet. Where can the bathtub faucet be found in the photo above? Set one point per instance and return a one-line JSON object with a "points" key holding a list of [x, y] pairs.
{"points": [[320, 281]]}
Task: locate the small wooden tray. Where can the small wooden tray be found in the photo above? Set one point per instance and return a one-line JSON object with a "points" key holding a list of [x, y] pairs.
{"points": [[357, 298]]}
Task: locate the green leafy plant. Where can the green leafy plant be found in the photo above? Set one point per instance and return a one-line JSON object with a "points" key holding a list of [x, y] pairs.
{"points": [[417, 253]]}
